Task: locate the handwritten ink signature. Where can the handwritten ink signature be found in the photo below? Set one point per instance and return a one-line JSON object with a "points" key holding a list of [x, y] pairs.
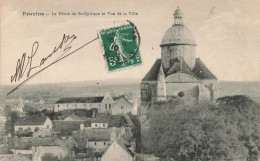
{"points": [[20, 69], [22, 64]]}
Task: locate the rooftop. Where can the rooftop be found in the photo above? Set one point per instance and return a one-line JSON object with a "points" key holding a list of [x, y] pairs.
{"points": [[60, 125], [80, 100], [74, 117], [101, 118], [98, 134], [98, 99], [33, 120], [199, 71]]}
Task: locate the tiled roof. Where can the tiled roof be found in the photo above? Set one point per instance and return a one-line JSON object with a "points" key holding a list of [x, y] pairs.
{"points": [[32, 120], [101, 118], [153, 73], [84, 99], [80, 100], [74, 117], [67, 144], [184, 69], [199, 71], [93, 134], [60, 125], [122, 142], [123, 98]]}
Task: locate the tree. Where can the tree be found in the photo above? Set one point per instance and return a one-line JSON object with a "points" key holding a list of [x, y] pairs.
{"points": [[204, 131], [242, 114], [7, 110], [12, 117], [81, 141]]}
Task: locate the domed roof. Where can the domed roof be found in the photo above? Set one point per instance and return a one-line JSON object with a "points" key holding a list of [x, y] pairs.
{"points": [[178, 34]]}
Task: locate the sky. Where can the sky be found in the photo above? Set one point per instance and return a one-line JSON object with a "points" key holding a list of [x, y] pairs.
{"points": [[227, 33]]}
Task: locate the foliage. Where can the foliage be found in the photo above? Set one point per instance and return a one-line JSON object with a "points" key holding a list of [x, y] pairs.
{"points": [[136, 130], [12, 117], [205, 131], [5, 150], [30, 109], [83, 113], [81, 141], [242, 114], [116, 121], [7, 110]]}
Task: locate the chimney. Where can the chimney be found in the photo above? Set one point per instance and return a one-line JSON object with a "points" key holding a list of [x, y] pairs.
{"points": [[113, 135], [94, 113], [122, 130], [81, 126]]}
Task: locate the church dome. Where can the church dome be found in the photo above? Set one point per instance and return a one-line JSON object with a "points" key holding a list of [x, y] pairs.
{"points": [[178, 44], [178, 33]]}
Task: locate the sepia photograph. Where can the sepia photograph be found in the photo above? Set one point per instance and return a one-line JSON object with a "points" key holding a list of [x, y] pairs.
{"points": [[129, 80]]}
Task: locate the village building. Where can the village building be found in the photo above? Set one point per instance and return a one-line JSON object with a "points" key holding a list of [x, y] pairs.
{"points": [[122, 106], [40, 151], [32, 124], [101, 138], [101, 121], [118, 151], [178, 73], [105, 104], [98, 139], [37, 148]]}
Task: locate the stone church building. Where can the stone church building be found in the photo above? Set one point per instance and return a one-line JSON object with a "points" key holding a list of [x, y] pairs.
{"points": [[178, 73]]}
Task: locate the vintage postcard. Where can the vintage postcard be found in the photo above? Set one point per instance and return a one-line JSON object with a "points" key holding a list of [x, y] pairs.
{"points": [[152, 80]]}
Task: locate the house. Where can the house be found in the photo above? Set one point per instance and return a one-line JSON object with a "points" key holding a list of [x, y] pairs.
{"points": [[101, 103], [118, 151], [73, 117], [122, 106], [32, 124], [38, 147], [41, 151], [104, 104], [101, 121], [100, 138]]}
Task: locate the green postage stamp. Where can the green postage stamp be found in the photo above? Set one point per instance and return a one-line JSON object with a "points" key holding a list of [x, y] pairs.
{"points": [[120, 46]]}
